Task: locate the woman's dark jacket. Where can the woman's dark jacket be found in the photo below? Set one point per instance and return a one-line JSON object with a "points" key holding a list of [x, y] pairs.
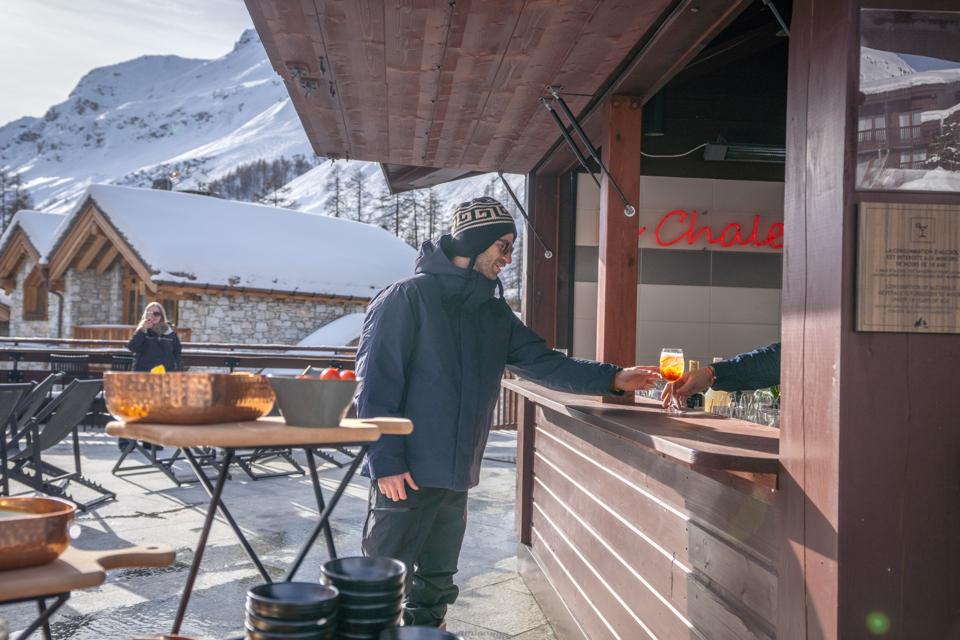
{"points": [[150, 349], [433, 349]]}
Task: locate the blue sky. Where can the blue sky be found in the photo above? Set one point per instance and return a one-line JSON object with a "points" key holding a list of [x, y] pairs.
{"points": [[46, 46]]}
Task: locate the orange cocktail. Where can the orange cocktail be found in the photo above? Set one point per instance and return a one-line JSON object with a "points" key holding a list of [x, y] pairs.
{"points": [[671, 364]]}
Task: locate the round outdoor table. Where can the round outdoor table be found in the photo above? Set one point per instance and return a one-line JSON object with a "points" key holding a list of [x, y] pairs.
{"points": [[255, 434], [74, 569]]}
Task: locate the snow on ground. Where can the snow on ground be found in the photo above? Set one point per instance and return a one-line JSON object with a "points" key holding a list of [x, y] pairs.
{"points": [[194, 239]]}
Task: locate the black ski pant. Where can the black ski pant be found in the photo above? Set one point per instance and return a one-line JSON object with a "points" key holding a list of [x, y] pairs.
{"points": [[425, 532]]}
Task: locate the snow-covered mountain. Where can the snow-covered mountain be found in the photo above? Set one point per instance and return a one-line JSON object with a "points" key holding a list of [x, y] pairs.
{"points": [[143, 119], [132, 122], [879, 65]]}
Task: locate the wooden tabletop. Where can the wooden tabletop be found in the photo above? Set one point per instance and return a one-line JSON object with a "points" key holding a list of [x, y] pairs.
{"points": [[77, 569], [695, 438], [265, 432]]}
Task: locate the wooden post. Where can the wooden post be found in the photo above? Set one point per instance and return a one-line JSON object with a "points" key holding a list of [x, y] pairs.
{"points": [[870, 480], [617, 288], [540, 273]]}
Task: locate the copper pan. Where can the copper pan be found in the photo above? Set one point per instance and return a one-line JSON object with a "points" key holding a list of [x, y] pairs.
{"points": [[186, 397], [33, 531]]}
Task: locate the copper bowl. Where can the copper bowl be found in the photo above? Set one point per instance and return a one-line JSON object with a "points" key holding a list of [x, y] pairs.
{"points": [[33, 531], [186, 398]]}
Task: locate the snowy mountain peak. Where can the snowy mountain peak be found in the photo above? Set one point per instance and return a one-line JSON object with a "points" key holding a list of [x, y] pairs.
{"points": [[878, 65], [145, 118]]}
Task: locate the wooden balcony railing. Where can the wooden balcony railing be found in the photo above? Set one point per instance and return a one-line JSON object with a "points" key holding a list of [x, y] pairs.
{"points": [[117, 332]]}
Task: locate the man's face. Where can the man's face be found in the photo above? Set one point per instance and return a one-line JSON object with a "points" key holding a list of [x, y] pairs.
{"points": [[496, 257]]}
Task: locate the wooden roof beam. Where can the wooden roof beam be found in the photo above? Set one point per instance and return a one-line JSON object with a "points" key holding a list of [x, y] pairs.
{"points": [[106, 260], [91, 253]]}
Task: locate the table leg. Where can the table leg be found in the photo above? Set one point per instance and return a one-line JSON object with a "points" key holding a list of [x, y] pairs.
{"points": [[4, 481], [205, 481], [204, 533], [325, 515], [43, 619], [315, 478]]}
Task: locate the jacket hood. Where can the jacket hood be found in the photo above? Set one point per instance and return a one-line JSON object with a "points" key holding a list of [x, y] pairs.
{"points": [[463, 288]]}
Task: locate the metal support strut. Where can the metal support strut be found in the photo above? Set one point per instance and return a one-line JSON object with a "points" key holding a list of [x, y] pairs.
{"points": [[628, 209], [546, 252]]}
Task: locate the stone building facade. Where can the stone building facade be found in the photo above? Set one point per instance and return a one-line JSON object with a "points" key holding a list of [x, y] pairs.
{"points": [[247, 319]]}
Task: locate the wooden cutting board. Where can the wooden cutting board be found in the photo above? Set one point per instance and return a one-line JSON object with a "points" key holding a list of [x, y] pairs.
{"points": [[78, 569]]}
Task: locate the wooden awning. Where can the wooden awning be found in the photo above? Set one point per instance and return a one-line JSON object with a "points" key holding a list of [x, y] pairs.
{"points": [[455, 85]]}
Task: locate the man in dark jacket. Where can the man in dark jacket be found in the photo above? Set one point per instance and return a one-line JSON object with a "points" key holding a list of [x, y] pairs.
{"points": [[433, 349]]}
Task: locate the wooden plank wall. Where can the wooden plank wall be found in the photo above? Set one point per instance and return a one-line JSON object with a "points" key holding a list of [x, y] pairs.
{"points": [[638, 546]]}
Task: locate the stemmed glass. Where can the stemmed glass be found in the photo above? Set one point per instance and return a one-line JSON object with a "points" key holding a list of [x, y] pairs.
{"points": [[671, 368]]}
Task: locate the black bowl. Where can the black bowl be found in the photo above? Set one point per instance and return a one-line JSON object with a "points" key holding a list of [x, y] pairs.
{"points": [[294, 601], [254, 634], [371, 611], [271, 625], [416, 633], [350, 598], [361, 573], [374, 626]]}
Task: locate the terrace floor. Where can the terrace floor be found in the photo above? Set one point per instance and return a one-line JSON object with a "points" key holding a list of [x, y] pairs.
{"points": [[276, 514]]}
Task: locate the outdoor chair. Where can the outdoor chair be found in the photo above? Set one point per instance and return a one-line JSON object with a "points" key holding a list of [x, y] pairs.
{"points": [[31, 402], [50, 426], [10, 397], [72, 366]]}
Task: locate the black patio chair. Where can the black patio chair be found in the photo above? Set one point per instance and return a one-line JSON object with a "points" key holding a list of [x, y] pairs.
{"points": [[72, 366], [31, 402], [51, 425], [10, 397]]}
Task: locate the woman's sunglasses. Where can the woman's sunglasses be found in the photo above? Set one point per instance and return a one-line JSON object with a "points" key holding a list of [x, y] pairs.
{"points": [[155, 314]]}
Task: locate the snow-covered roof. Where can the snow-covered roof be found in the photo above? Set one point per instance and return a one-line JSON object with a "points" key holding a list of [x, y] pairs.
{"points": [[342, 332], [39, 227], [200, 240], [939, 76]]}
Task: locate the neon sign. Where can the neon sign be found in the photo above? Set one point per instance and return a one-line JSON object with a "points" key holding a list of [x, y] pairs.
{"points": [[679, 226]]}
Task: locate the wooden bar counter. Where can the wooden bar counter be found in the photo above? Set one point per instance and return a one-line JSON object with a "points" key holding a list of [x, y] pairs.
{"points": [[637, 524]]}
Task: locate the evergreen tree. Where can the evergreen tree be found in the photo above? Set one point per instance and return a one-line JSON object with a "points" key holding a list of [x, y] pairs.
{"points": [[945, 148], [336, 200], [358, 195]]}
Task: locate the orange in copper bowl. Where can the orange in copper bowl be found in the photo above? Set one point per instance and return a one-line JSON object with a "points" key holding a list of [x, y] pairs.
{"points": [[33, 531], [186, 397]]}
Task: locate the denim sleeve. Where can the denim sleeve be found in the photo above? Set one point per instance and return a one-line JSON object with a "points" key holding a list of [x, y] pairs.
{"points": [[756, 369], [386, 343], [529, 357]]}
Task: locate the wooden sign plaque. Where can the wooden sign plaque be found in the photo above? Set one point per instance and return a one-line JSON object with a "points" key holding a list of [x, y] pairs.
{"points": [[908, 268]]}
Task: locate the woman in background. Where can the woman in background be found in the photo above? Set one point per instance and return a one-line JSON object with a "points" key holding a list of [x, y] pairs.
{"points": [[155, 342]]}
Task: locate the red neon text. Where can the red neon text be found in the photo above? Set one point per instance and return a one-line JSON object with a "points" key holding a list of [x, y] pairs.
{"points": [[678, 226]]}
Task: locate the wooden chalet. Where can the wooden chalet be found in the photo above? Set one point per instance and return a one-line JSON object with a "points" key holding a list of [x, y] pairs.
{"points": [[842, 523], [122, 247]]}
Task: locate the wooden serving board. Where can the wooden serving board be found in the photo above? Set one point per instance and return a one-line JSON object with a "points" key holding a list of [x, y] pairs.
{"points": [[265, 432], [78, 569]]}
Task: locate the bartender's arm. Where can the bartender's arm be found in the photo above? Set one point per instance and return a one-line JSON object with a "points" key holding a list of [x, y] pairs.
{"points": [[753, 370]]}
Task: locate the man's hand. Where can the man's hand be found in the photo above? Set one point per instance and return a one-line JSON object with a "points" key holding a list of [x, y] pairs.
{"points": [[690, 383], [636, 378], [394, 487]]}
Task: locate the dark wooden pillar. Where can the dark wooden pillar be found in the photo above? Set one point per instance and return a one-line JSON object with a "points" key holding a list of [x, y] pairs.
{"points": [[870, 449], [540, 284], [617, 288], [540, 273]]}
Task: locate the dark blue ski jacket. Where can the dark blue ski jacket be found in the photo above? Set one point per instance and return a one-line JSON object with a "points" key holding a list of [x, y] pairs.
{"points": [[433, 349]]}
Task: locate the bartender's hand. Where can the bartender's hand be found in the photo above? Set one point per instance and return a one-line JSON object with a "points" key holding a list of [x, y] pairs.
{"points": [[395, 487], [636, 378], [690, 383]]}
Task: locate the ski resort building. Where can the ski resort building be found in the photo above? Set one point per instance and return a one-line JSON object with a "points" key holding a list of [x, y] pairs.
{"points": [[225, 271]]}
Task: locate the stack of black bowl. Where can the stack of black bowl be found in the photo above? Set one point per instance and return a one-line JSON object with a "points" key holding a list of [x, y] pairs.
{"points": [[371, 595], [292, 611], [417, 633]]}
